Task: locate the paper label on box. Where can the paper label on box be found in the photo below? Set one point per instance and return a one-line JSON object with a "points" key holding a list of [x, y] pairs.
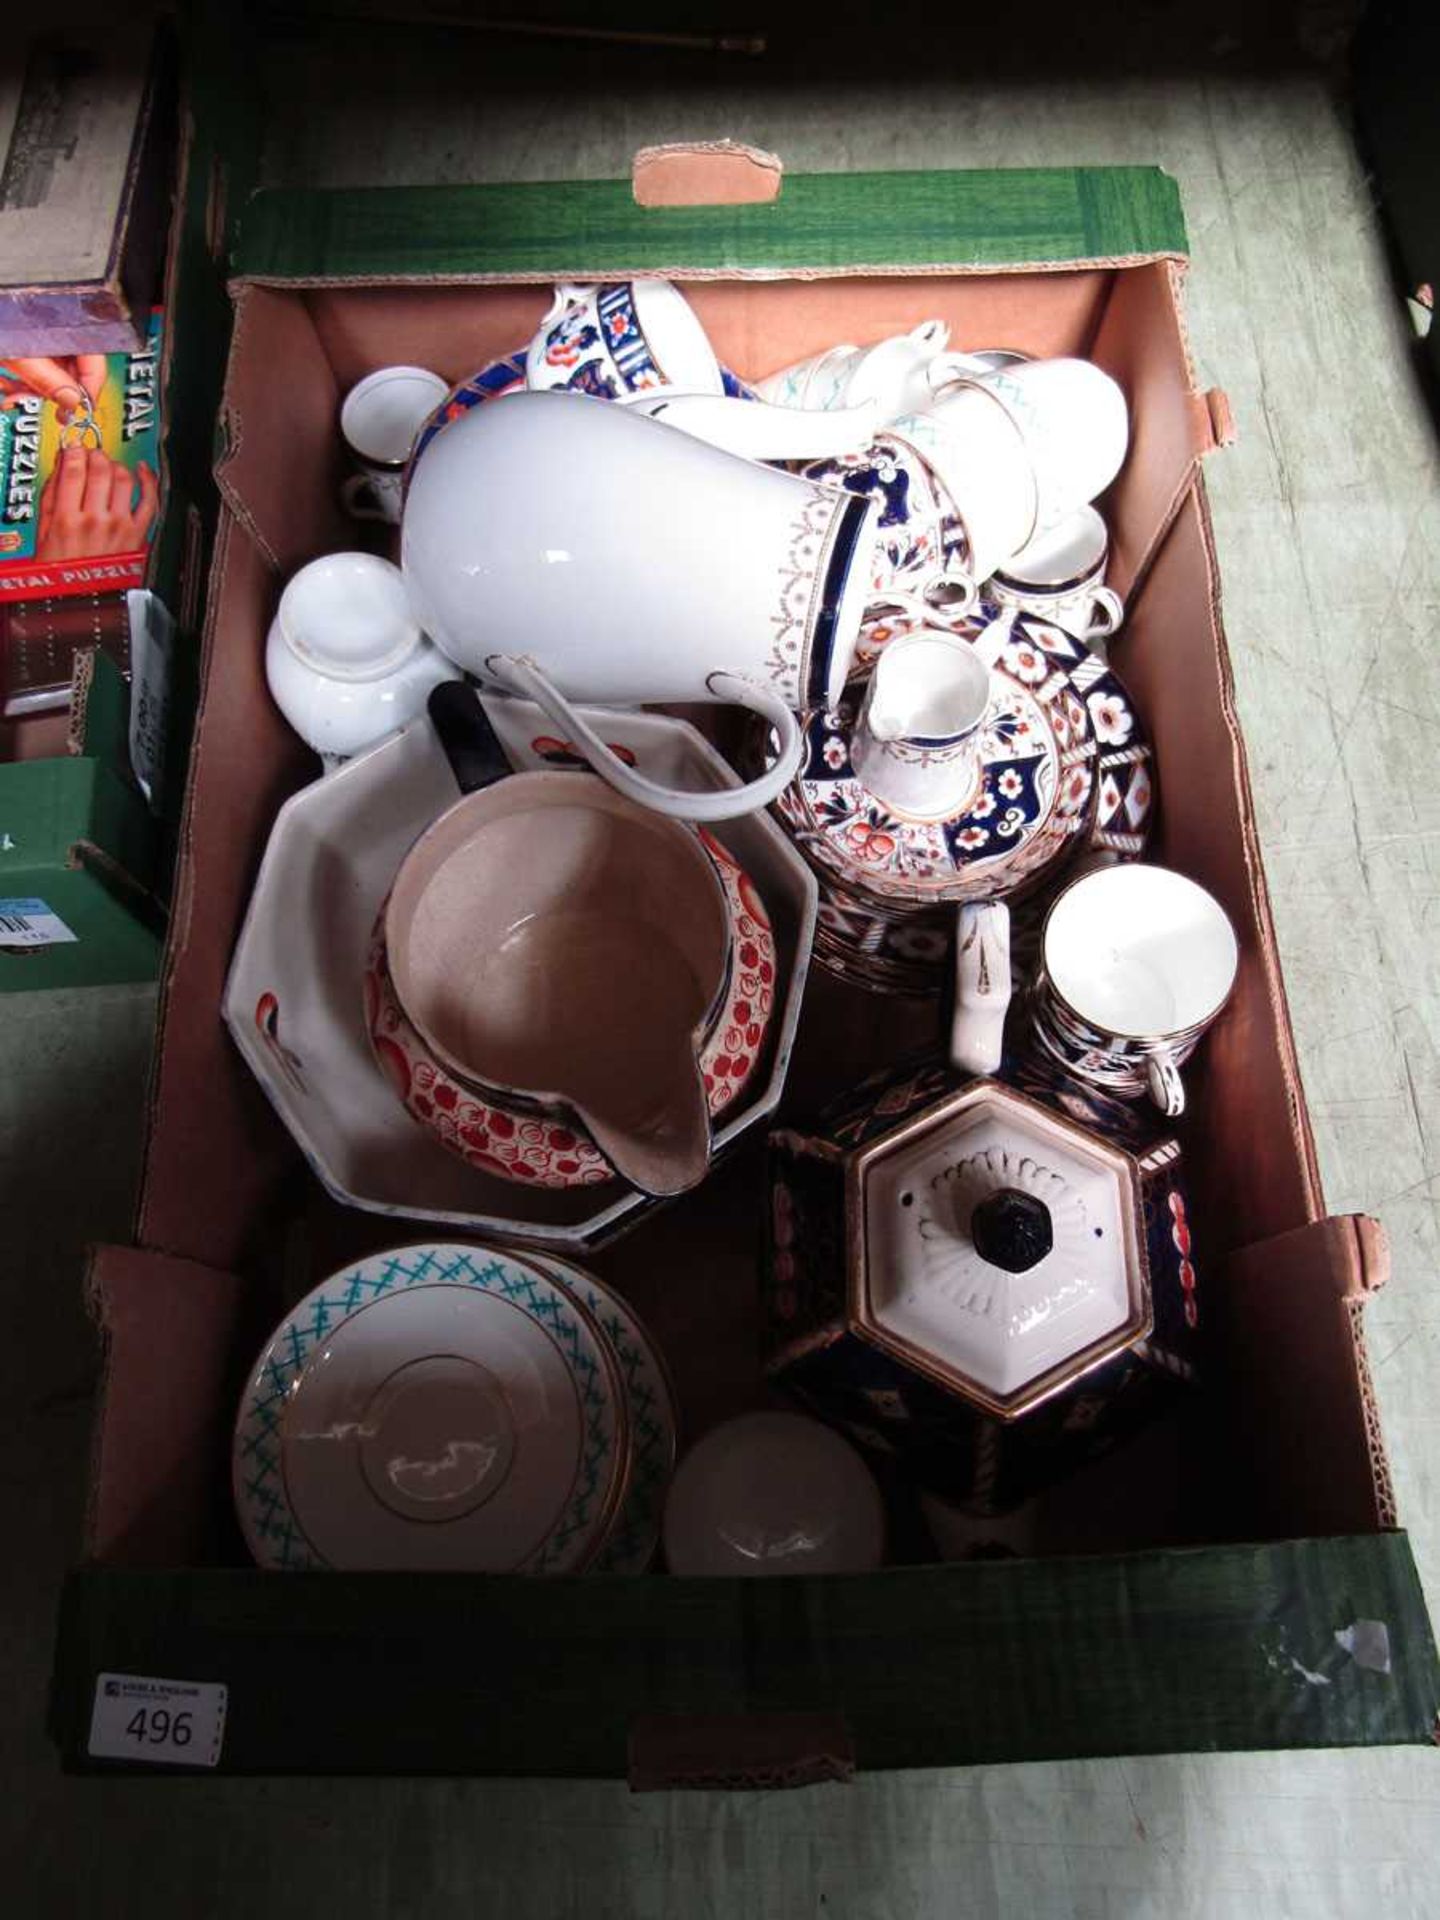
{"points": [[177, 1723], [152, 648], [30, 923]]}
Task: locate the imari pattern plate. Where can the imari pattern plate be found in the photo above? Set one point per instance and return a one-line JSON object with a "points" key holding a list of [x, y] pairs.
{"points": [[1036, 748], [434, 1406], [650, 1401]]}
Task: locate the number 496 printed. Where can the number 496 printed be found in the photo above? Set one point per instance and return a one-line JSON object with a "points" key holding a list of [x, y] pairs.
{"points": [[166, 1722]]}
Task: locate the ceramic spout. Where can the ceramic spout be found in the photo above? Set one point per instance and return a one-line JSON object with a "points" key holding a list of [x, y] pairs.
{"points": [[664, 1149]]}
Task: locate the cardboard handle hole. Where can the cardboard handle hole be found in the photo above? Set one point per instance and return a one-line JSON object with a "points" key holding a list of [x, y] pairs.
{"points": [[705, 173]]}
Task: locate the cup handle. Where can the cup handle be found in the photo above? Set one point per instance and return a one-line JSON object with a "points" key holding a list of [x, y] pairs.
{"points": [[982, 986], [518, 674], [354, 494], [947, 369], [1107, 610], [566, 295], [948, 614], [1162, 1076]]}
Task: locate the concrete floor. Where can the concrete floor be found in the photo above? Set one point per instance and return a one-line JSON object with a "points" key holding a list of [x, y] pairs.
{"points": [[1328, 523]]}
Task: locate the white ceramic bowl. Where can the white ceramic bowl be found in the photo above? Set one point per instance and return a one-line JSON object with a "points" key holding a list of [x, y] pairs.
{"points": [[345, 662], [295, 1006], [773, 1493]]}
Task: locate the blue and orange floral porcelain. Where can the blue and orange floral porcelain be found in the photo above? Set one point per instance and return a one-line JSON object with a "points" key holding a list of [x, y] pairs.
{"points": [[825, 1348], [868, 936]]}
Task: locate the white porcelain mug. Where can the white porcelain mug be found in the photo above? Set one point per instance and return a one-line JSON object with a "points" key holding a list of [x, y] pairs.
{"points": [[627, 338], [1060, 576], [1136, 962], [1075, 426], [569, 552], [379, 421]]}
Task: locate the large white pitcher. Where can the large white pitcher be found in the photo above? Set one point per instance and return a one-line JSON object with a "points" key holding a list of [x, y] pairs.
{"points": [[566, 550]]}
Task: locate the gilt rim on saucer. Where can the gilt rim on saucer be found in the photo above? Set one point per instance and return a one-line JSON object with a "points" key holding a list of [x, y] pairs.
{"points": [[275, 1532]]}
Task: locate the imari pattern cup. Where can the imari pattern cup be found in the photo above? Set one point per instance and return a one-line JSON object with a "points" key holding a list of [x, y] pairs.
{"points": [[1136, 963]]}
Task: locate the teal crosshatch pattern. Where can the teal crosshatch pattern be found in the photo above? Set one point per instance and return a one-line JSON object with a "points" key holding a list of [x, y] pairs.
{"points": [[271, 1528], [630, 1546]]}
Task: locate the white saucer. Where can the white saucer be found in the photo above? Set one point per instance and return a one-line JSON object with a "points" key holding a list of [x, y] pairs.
{"points": [[650, 1401], [435, 1408]]}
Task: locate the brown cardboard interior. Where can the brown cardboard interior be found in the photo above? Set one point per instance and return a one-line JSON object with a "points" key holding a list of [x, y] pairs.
{"points": [[235, 1224]]}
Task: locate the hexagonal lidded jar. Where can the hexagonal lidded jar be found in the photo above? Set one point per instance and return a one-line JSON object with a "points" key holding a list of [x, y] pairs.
{"points": [[959, 1277]]}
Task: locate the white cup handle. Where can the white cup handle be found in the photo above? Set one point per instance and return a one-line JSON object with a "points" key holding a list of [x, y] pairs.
{"points": [[518, 674], [1107, 610], [951, 613], [1162, 1077], [948, 368], [982, 986], [565, 296], [360, 500]]}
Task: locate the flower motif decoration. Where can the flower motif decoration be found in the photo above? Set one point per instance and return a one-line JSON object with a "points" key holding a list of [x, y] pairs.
{"points": [[1075, 786], [570, 339], [1028, 663], [971, 838], [870, 843], [834, 753], [1010, 784], [1111, 718]]}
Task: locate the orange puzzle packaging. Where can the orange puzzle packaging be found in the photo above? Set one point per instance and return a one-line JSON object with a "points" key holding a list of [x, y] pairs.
{"points": [[79, 470]]}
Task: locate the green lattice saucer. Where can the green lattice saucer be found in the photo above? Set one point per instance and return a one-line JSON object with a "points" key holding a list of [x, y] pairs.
{"points": [[650, 1401], [433, 1407]]}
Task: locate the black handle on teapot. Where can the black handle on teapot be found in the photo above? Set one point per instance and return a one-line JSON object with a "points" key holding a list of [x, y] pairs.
{"points": [[470, 743]]}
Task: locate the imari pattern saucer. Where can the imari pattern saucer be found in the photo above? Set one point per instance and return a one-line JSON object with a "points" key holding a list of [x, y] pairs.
{"points": [[1036, 746], [892, 947], [435, 1406], [630, 1545]]}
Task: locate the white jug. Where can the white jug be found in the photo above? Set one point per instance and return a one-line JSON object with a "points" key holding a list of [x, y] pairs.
{"points": [[569, 551]]}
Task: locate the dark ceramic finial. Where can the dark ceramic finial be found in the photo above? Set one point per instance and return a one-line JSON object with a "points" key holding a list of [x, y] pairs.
{"points": [[1012, 1230]]}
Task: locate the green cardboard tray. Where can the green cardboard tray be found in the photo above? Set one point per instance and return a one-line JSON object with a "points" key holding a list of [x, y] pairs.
{"points": [[1193, 1650], [821, 221]]}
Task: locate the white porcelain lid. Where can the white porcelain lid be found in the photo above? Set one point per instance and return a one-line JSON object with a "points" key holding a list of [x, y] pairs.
{"points": [[931, 1288], [348, 616]]}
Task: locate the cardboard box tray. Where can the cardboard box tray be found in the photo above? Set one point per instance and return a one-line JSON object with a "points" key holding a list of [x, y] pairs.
{"points": [[1184, 1598]]}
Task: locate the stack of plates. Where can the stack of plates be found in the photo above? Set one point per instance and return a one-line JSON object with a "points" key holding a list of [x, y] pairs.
{"points": [[451, 1407]]}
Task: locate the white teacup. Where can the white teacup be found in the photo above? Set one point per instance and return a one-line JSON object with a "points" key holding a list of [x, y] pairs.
{"points": [[1136, 962], [1060, 577], [634, 336], [379, 421], [1075, 426]]}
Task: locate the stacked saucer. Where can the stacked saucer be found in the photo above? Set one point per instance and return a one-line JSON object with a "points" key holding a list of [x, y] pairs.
{"points": [[459, 1408]]}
